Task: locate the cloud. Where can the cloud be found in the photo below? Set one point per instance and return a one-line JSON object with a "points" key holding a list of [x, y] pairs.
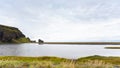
{"points": [[64, 20], [83, 32]]}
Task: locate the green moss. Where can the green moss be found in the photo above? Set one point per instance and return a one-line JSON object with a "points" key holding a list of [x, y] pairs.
{"points": [[24, 40], [21, 40]]}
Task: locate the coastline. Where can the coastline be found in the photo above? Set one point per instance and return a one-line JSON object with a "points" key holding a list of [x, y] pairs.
{"points": [[85, 43], [112, 47]]}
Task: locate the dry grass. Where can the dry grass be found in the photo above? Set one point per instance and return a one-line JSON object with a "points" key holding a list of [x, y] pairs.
{"points": [[53, 62], [96, 64], [49, 64]]}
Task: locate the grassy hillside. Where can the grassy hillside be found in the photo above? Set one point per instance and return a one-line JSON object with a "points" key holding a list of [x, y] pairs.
{"points": [[54, 62], [12, 35]]}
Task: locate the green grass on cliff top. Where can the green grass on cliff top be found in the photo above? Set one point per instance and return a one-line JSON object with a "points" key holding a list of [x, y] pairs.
{"points": [[23, 40], [8, 28]]}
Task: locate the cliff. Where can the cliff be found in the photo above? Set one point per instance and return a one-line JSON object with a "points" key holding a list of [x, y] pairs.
{"points": [[12, 35]]}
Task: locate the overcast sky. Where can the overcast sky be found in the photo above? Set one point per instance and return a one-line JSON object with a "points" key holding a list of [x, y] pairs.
{"points": [[64, 20]]}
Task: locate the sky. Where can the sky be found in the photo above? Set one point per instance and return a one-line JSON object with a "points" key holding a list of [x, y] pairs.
{"points": [[63, 20]]}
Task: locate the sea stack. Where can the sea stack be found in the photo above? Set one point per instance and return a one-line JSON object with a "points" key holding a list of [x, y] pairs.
{"points": [[40, 41]]}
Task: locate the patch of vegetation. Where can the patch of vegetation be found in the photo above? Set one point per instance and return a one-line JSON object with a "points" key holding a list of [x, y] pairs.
{"points": [[8, 28], [111, 60], [12, 35], [21, 40], [54, 62]]}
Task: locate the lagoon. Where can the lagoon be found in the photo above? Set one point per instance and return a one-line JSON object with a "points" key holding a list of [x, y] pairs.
{"points": [[58, 50]]}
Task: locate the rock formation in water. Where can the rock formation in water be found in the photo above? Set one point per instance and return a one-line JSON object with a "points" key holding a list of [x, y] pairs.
{"points": [[40, 41], [12, 35]]}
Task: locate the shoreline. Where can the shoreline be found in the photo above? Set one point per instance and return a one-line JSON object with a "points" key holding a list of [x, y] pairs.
{"points": [[112, 47], [85, 43]]}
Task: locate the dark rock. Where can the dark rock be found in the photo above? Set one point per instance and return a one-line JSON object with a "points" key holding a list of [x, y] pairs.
{"points": [[40, 41]]}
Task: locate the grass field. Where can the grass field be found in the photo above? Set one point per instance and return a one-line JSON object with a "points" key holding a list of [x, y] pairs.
{"points": [[54, 62]]}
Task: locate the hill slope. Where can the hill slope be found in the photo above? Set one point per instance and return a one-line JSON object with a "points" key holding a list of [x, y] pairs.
{"points": [[12, 35]]}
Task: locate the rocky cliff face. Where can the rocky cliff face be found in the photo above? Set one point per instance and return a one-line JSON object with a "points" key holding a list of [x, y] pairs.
{"points": [[11, 34]]}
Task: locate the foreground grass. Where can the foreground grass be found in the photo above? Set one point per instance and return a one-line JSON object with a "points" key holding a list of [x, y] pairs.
{"points": [[54, 62]]}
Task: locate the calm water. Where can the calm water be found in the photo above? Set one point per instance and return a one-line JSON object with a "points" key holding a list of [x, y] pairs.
{"points": [[66, 51]]}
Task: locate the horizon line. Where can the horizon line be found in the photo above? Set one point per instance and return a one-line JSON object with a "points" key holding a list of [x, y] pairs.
{"points": [[86, 43]]}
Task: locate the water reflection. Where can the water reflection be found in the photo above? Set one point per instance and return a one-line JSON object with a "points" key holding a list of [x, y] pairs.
{"points": [[66, 51], [9, 50]]}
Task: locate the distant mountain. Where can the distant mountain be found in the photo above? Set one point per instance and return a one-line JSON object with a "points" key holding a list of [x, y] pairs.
{"points": [[10, 34]]}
